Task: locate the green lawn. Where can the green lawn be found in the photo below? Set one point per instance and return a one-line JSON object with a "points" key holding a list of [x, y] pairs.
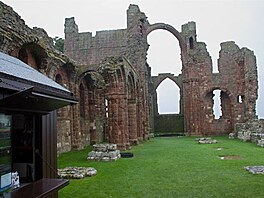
{"points": [[171, 167]]}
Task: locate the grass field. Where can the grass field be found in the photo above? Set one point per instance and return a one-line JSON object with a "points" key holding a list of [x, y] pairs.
{"points": [[171, 167]]}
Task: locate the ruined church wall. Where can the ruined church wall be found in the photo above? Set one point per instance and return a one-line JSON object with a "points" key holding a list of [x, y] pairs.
{"points": [[237, 78], [90, 50], [40, 53]]}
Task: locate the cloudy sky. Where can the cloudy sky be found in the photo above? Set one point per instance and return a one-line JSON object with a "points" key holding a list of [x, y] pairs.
{"points": [[216, 22]]}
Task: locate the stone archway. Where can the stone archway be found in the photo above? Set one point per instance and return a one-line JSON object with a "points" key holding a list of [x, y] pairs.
{"points": [[167, 124], [157, 80], [169, 119], [172, 30]]}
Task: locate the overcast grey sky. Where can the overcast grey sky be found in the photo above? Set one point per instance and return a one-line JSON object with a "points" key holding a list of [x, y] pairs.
{"points": [[216, 22]]}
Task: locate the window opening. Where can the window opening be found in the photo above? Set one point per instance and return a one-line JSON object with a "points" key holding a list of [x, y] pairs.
{"points": [[168, 97], [191, 42], [5, 152], [23, 55], [82, 111], [240, 99], [217, 110], [106, 108]]}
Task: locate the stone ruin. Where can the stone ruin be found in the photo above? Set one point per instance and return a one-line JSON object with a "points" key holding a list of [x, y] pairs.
{"points": [[76, 172], [104, 152], [261, 143], [206, 140], [251, 131], [110, 74], [255, 169]]}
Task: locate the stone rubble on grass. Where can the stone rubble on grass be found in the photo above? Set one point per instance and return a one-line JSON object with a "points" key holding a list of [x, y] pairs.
{"points": [[255, 169], [261, 143], [206, 140], [232, 135], [76, 172], [104, 152]]}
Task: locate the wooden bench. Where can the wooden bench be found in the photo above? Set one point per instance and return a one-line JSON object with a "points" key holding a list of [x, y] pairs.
{"points": [[38, 189]]}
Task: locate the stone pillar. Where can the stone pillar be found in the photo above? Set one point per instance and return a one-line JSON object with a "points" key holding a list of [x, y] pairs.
{"points": [[123, 136], [118, 121], [193, 113], [132, 121], [112, 119], [76, 130], [139, 121]]}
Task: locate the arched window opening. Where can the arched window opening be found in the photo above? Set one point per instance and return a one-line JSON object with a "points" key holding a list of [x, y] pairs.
{"points": [[191, 42], [217, 110], [240, 99], [131, 87], [168, 97], [23, 55], [164, 53], [119, 76], [82, 102], [106, 108], [58, 79]]}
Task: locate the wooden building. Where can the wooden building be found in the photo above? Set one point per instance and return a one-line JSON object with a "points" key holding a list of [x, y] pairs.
{"points": [[28, 136]]}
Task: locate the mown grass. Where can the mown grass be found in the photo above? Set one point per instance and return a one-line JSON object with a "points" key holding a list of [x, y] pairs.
{"points": [[170, 167]]}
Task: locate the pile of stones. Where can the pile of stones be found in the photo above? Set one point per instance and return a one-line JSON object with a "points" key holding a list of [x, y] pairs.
{"points": [[104, 152], [261, 143], [255, 169], [76, 172], [206, 140], [232, 135]]}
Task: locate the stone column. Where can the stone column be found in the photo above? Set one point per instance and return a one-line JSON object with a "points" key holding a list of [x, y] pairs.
{"points": [[132, 121], [193, 113], [123, 136], [112, 119]]}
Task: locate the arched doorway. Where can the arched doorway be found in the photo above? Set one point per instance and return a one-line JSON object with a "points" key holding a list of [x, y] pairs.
{"points": [[170, 122], [167, 102]]}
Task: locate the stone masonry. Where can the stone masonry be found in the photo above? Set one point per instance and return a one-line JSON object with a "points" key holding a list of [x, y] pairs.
{"points": [[117, 94]]}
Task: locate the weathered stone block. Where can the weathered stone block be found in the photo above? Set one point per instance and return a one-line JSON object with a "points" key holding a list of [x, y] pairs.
{"points": [[261, 143]]}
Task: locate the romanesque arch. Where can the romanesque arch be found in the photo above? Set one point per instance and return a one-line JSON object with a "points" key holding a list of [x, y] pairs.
{"points": [[33, 55], [157, 80], [171, 29]]}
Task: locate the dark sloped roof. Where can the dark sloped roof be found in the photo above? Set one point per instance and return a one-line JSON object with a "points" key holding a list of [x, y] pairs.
{"points": [[23, 88], [14, 67]]}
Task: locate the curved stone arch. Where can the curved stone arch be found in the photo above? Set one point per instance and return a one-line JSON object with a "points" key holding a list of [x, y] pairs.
{"points": [[131, 86], [33, 54], [172, 30], [224, 89], [123, 73], [80, 77], [161, 77]]}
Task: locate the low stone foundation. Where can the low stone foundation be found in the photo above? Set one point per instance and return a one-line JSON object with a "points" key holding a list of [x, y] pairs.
{"points": [[255, 169], [104, 152], [76, 172], [253, 131], [261, 143], [206, 140]]}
